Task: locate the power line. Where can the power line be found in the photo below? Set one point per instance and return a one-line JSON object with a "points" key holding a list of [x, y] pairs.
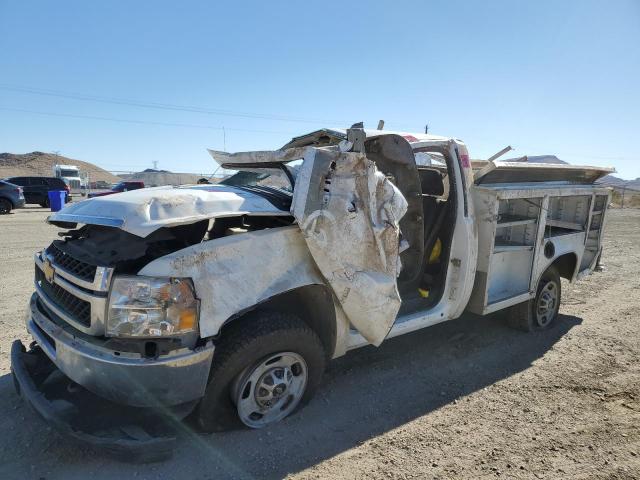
{"points": [[141, 122], [209, 111], [167, 106], [182, 108]]}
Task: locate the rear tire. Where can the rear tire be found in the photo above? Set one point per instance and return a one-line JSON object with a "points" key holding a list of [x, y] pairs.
{"points": [[264, 368], [541, 311], [5, 206], [45, 204]]}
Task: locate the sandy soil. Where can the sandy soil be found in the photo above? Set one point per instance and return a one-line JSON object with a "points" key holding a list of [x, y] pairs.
{"points": [[466, 399]]}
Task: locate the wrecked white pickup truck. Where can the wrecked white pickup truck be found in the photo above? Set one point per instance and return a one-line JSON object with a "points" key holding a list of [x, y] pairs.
{"points": [[226, 301]]}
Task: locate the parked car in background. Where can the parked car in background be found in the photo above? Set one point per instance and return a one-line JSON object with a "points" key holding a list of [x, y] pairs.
{"points": [[120, 187], [36, 189], [11, 196], [100, 185]]}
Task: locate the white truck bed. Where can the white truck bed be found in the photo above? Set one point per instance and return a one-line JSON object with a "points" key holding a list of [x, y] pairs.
{"points": [[522, 228]]}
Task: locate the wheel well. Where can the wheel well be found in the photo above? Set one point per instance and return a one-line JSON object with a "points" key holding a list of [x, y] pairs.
{"points": [[8, 200], [313, 304], [566, 265]]}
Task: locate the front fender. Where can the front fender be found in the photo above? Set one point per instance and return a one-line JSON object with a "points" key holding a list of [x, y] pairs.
{"points": [[234, 273]]}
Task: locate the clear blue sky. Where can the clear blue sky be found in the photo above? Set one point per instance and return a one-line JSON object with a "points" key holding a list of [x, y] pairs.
{"points": [[548, 77]]}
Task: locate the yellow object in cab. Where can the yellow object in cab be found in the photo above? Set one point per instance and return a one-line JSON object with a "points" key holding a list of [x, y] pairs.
{"points": [[423, 293], [436, 251]]}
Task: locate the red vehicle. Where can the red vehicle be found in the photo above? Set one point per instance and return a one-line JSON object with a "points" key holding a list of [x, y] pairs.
{"points": [[120, 187]]}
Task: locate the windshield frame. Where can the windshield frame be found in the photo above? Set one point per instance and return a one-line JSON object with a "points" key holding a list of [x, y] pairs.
{"points": [[262, 172]]}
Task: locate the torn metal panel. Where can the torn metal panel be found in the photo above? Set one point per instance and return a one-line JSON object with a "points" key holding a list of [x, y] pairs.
{"points": [[349, 213], [235, 273], [263, 158], [333, 136], [319, 138], [141, 212]]}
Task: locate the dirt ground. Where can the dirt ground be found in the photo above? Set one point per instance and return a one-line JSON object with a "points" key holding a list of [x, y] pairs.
{"points": [[465, 399]]}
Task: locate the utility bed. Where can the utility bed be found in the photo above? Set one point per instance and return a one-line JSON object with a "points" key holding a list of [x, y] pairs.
{"points": [[523, 227]]}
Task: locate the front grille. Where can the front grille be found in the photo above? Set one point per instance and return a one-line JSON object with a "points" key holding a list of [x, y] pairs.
{"points": [[82, 270], [44, 334], [75, 307]]}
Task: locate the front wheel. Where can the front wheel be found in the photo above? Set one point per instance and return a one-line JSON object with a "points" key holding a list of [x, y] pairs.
{"points": [[541, 311], [5, 206], [264, 368]]}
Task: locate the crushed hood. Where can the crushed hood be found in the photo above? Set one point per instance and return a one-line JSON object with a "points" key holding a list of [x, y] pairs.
{"points": [[141, 212]]}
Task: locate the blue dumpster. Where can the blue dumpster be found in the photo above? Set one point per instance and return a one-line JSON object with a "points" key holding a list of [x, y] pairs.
{"points": [[56, 199]]}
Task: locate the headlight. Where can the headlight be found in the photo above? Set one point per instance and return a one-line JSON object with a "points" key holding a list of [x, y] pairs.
{"points": [[151, 307]]}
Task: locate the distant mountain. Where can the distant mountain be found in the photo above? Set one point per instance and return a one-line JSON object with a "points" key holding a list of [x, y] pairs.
{"points": [[40, 164], [156, 178], [616, 182]]}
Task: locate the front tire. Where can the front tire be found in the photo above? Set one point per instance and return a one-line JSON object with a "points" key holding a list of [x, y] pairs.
{"points": [[264, 368], [540, 312], [5, 206]]}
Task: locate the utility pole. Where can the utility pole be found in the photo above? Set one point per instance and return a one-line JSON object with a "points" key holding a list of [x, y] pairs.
{"points": [[623, 191]]}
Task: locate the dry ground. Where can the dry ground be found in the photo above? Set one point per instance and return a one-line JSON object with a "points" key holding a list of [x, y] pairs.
{"points": [[465, 399]]}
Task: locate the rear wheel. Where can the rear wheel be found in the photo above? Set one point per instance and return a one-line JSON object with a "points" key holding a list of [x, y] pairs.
{"points": [[5, 206], [45, 204], [264, 368], [541, 311]]}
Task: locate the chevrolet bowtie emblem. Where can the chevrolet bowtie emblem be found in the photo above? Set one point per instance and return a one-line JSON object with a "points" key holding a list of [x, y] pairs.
{"points": [[48, 270]]}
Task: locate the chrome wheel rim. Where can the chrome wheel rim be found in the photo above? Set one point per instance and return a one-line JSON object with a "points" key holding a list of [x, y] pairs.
{"points": [[271, 389], [547, 303]]}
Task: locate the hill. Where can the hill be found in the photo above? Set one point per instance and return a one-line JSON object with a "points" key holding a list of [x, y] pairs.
{"points": [[156, 178], [616, 182], [40, 164]]}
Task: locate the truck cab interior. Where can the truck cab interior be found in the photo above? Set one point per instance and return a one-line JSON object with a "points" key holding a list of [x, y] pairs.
{"points": [[428, 225], [439, 221]]}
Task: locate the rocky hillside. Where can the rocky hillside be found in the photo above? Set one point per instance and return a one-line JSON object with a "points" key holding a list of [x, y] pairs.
{"points": [[156, 178], [616, 182], [40, 164]]}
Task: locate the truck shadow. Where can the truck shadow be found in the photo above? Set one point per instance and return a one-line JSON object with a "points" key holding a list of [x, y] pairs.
{"points": [[364, 394]]}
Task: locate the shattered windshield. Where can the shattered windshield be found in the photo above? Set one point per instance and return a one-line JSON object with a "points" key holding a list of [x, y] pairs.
{"points": [[265, 177]]}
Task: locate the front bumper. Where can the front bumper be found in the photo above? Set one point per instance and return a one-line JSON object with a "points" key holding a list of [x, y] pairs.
{"points": [[129, 433], [121, 377]]}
